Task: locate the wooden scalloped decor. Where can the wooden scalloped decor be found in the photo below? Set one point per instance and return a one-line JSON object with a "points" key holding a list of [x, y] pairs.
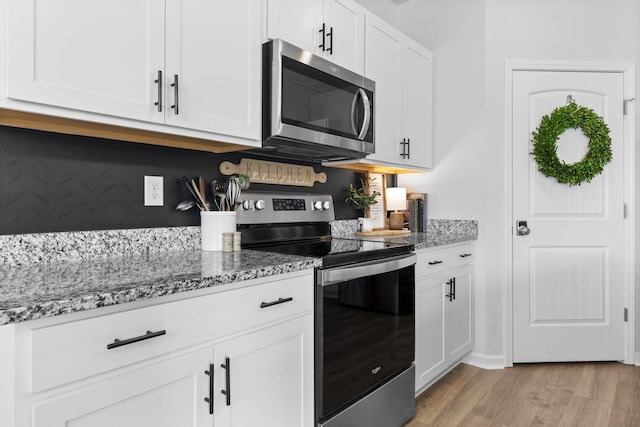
{"points": [[265, 172]]}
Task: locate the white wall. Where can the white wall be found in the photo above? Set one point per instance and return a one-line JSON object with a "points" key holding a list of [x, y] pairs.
{"points": [[471, 39], [456, 186], [382, 8]]}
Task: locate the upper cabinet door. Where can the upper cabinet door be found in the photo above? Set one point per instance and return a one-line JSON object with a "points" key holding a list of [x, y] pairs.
{"points": [[333, 29], [296, 21], [417, 126], [214, 56], [402, 70], [344, 27], [383, 61], [90, 55]]}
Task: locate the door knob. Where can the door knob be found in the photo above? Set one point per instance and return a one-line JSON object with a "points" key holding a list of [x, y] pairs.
{"points": [[521, 228]]}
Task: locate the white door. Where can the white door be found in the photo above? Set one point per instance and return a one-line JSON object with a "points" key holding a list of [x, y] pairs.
{"points": [[166, 393], [460, 314], [345, 21], [431, 304], [383, 61], [296, 21], [270, 377], [568, 273], [90, 55], [417, 109], [214, 52]]}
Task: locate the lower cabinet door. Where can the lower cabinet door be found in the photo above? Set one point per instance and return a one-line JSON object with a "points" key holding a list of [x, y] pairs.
{"points": [[460, 320], [431, 354], [166, 393], [266, 377]]}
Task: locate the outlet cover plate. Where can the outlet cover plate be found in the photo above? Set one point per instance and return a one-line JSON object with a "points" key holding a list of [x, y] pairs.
{"points": [[153, 190]]}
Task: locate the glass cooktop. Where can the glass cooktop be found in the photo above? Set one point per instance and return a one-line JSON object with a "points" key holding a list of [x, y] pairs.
{"points": [[339, 251]]}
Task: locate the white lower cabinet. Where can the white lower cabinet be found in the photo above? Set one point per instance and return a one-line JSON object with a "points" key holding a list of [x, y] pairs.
{"points": [[444, 310], [267, 385], [165, 393], [256, 340]]}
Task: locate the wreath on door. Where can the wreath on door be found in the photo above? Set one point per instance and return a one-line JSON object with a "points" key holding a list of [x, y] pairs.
{"points": [[545, 138]]}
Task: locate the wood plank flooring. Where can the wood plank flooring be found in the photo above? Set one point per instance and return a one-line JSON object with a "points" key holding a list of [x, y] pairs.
{"points": [[545, 394]]}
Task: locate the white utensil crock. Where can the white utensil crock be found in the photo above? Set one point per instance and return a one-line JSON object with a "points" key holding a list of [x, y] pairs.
{"points": [[212, 225]]}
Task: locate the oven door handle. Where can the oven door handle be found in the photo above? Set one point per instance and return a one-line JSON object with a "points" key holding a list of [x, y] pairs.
{"points": [[370, 268]]}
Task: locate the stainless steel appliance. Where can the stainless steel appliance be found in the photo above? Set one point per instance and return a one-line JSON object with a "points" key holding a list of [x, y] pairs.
{"points": [[365, 324], [313, 109]]}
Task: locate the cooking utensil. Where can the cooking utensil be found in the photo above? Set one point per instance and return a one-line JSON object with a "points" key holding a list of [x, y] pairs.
{"points": [[198, 195], [214, 193], [233, 192], [223, 202], [196, 199], [185, 205], [202, 192]]}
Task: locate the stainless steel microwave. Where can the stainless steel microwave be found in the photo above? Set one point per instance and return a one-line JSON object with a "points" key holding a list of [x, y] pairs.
{"points": [[313, 109]]}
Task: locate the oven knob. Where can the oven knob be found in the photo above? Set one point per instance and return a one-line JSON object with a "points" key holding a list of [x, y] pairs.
{"points": [[247, 205], [317, 205], [259, 204], [326, 205]]}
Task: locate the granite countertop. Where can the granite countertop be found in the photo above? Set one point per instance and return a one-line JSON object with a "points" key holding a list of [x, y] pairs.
{"points": [[439, 232], [49, 289], [44, 275]]}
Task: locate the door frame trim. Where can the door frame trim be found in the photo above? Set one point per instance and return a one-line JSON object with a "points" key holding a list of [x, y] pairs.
{"points": [[628, 72]]}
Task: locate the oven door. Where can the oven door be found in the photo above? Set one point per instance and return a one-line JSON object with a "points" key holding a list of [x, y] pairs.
{"points": [[365, 330]]}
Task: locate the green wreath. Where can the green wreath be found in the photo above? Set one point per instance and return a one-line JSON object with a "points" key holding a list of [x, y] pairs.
{"points": [[545, 140]]}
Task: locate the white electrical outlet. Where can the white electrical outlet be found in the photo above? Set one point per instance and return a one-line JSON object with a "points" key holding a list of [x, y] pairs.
{"points": [[153, 191]]}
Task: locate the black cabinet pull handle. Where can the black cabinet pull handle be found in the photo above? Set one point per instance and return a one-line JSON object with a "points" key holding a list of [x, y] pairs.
{"points": [[408, 148], [453, 279], [323, 32], [174, 85], [119, 343], [278, 301], [450, 294], [209, 399], [435, 262], [330, 35], [227, 392], [158, 81], [464, 255]]}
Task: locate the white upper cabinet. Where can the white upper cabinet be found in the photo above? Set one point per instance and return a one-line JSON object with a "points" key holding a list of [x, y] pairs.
{"points": [[333, 29], [383, 64], [214, 49], [417, 110], [402, 70], [403, 73], [123, 58], [88, 55]]}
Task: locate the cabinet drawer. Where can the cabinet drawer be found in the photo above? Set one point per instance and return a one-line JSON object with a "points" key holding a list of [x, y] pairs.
{"points": [[432, 261], [75, 350]]}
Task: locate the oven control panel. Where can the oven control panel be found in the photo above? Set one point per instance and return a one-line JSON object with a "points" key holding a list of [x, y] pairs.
{"points": [[264, 208], [289, 204]]}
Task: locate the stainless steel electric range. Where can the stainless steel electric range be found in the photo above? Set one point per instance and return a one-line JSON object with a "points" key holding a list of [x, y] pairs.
{"points": [[364, 322]]}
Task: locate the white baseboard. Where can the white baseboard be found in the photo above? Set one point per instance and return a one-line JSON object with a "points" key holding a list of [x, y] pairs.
{"points": [[637, 359], [484, 361]]}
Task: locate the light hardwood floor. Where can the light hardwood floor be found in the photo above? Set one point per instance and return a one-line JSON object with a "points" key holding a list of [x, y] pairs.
{"points": [[546, 394]]}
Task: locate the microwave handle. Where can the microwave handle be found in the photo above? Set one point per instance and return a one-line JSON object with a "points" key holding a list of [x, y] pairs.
{"points": [[367, 113], [353, 112]]}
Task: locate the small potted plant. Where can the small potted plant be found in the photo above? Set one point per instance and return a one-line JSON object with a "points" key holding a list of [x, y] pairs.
{"points": [[362, 198]]}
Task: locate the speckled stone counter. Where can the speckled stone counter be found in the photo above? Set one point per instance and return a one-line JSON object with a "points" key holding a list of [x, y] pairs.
{"points": [[44, 275], [56, 275], [439, 232]]}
